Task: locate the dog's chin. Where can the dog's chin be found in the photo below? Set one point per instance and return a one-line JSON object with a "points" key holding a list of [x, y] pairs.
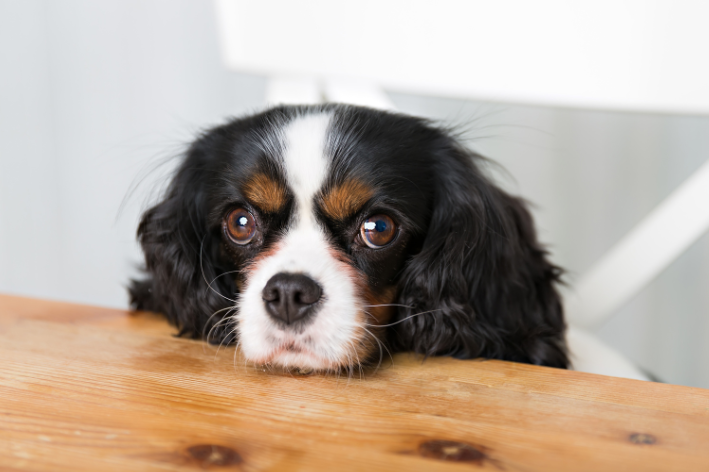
{"points": [[297, 359], [295, 355], [300, 360]]}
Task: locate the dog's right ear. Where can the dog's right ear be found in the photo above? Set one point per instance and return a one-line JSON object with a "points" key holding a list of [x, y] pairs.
{"points": [[181, 257]]}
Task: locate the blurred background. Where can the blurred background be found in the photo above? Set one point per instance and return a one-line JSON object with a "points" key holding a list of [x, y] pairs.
{"points": [[98, 99]]}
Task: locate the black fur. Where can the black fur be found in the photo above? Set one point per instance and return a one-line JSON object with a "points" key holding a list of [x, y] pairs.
{"points": [[467, 254]]}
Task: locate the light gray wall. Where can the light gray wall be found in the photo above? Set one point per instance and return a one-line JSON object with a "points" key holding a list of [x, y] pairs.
{"points": [[95, 95]]}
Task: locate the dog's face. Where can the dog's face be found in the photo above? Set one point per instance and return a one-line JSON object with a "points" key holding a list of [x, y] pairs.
{"points": [[321, 236], [319, 217]]}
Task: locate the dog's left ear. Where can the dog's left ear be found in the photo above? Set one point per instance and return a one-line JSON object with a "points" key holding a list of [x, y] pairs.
{"points": [[181, 256], [482, 282]]}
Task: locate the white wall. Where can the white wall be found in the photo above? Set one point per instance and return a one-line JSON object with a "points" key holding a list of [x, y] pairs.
{"points": [[95, 94], [92, 96]]}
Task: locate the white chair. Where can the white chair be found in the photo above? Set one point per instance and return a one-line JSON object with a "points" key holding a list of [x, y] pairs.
{"points": [[633, 55]]}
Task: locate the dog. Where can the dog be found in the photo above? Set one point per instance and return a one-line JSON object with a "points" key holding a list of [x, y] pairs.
{"points": [[322, 237]]}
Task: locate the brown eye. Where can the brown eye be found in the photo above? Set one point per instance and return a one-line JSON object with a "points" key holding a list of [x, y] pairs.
{"points": [[378, 231], [240, 226]]}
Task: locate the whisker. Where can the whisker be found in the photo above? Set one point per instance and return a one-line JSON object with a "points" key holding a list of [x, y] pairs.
{"points": [[223, 339], [223, 274], [221, 343], [359, 363], [236, 349], [348, 366], [201, 266], [402, 320], [206, 337], [381, 352]]}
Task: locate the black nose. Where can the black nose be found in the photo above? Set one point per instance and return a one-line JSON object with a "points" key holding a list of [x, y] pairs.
{"points": [[291, 297]]}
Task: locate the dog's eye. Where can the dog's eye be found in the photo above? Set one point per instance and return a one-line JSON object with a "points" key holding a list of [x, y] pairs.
{"points": [[240, 226], [378, 231]]}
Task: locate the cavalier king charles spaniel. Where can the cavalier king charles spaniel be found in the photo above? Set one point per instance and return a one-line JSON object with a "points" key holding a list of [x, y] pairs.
{"points": [[320, 237]]}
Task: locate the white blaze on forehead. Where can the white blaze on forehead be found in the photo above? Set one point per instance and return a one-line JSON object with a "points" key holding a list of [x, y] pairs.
{"points": [[305, 161], [329, 338]]}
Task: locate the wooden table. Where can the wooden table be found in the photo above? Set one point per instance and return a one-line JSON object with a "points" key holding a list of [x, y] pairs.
{"points": [[87, 388]]}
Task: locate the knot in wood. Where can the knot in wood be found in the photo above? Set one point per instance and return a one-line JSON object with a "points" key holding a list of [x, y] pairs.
{"points": [[208, 455], [453, 451], [641, 438]]}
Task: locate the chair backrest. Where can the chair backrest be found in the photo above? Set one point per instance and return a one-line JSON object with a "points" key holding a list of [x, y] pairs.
{"points": [[610, 54]]}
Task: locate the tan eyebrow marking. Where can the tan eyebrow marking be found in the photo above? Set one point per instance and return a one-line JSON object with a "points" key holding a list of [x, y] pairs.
{"points": [[346, 199], [266, 193]]}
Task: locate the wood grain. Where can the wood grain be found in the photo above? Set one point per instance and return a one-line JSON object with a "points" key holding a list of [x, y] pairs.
{"points": [[87, 388]]}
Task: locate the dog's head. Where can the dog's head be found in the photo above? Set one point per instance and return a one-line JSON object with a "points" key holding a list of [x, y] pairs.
{"points": [[320, 236]]}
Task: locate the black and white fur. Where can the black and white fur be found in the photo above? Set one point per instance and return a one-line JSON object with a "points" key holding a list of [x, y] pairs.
{"points": [[466, 274]]}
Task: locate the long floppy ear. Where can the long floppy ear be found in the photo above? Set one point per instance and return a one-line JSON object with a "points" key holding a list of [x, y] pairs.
{"points": [[481, 279], [181, 258]]}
